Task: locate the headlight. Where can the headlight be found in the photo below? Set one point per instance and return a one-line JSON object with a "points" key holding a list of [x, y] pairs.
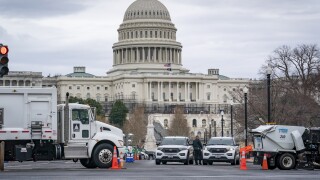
{"points": [[230, 149], [120, 142], [181, 149]]}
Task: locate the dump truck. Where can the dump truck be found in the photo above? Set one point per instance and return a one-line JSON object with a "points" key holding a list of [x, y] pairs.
{"points": [[286, 147], [34, 127]]}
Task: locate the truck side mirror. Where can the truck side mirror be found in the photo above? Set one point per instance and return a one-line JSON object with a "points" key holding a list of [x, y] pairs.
{"points": [[158, 143]]}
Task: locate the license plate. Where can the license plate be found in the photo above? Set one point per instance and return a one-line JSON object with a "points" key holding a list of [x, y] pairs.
{"points": [[170, 157], [218, 156]]}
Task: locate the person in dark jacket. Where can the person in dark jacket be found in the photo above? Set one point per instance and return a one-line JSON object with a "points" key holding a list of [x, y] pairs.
{"points": [[197, 147]]}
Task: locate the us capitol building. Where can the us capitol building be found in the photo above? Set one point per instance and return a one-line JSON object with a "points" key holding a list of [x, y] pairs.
{"points": [[147, 69]]}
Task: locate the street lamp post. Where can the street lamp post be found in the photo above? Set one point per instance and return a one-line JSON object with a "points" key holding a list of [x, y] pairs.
{"points": [[222, 121], [231, 114], [215, 128], [245, 90], [269, 71], [210, 123]]}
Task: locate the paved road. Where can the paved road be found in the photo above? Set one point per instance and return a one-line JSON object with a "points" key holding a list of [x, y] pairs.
{"points": [[146, 170]]}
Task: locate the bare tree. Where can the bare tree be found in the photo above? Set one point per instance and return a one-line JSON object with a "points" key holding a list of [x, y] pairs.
{"points": [[137, 125], [294, 86], [179, 125]]}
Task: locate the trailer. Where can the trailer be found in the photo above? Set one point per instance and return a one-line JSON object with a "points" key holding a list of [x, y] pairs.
{"points": [[34, 127], [286, 147]]}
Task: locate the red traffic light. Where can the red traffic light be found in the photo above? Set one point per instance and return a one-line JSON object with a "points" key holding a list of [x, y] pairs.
{"points": [[4, 50]]}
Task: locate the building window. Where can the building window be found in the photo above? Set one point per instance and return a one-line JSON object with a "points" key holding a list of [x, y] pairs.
{"points": [[190, 96], [164, 96], [171, 96], [106, 98], [98, 98], [224, 89], [165, 123], [88, 95], [98, 88], [204, 123], [208, 96], [208, 86], [194, 123], [88, 88], [146, 34], [179, 96], [152, 85], [105, 88], [152, 95], [78, 87], [70, 87], [190, 85], [133, 85]]}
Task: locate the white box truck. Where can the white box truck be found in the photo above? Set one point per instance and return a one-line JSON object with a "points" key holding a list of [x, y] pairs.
{"points": [[34, 127], [287, 147]]}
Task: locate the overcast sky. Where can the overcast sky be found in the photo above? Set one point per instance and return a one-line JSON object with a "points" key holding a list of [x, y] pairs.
{"points": [[236, 36]]}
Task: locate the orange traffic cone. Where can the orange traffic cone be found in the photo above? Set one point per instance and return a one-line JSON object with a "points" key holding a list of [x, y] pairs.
{"points": [[265, 163], [138, 157], [243, 164], [115, 164]]}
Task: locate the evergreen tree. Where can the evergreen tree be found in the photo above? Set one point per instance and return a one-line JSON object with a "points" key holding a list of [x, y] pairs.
{"points": [[118, 113]]}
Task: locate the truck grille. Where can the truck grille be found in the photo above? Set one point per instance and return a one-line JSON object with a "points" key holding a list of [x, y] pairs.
{"points": [[170, 150], [217, 150]]}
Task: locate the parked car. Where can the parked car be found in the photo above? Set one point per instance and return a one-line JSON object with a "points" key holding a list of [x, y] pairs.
{"points": [[221, 149], [174, 149]]}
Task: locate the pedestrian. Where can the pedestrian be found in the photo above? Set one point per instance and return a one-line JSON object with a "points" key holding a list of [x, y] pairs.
{"points": [[197, 147]]}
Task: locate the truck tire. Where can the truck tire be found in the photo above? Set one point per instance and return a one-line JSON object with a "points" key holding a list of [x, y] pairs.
{"points": [[187, 160], [102, 155], [286, 161], [158, 162], [210, 162], [88, 163], [205, 162]]}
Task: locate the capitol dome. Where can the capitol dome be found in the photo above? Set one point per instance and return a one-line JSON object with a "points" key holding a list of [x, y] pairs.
{"points": [[147, 41], [147, 9]]}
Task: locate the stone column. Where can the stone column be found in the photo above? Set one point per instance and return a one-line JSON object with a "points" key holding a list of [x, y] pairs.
{"points": [[161, 91], [154, 54], [138, 54], [180, 57], [160, 55], [196, 91], [150, 91], [143, 55], [131, 56], [170, 92], [158, 91], [166, 55], [178, 98], [149, 54], [185, 92]]}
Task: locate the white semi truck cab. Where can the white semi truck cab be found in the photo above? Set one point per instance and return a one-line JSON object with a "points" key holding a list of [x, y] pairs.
{"points": [[287, 147], [34, 127]]}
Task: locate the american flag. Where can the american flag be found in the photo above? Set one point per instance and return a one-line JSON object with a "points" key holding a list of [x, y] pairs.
{"points": [[167, 65]]}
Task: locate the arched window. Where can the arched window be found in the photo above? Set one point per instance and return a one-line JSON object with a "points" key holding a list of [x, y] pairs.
{"points": [[88, 95], [165, 123], [204, 123], [98, 97], [199, 133], [225, 98], [192, 134], [194, 123]]}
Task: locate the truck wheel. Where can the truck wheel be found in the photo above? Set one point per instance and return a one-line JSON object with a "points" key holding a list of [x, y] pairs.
{"points": [[205, 162], [158, 162], [88, 163], [210, 162], [187, 160], [286, 161], [102, 155]]}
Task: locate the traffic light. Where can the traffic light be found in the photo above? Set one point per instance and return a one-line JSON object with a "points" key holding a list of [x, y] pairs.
{"points": [[4, 60]]}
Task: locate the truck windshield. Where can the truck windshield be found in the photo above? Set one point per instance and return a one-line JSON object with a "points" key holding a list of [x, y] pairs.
{"points": [[220, 142], [174, 141]]}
